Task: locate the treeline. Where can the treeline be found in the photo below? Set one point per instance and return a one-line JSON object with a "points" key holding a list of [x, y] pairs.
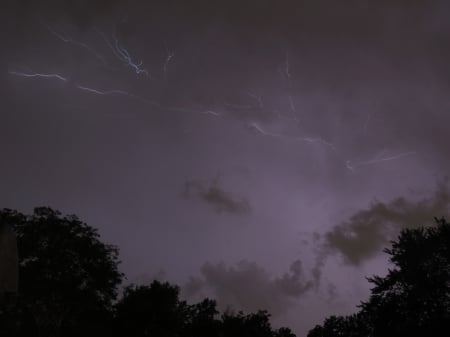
{"points": [[69, 282]]}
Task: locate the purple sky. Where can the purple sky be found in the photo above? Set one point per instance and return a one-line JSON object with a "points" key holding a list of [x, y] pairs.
{"points": [[258, 152]]}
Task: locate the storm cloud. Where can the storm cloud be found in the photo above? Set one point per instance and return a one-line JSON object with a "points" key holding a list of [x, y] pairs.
{"points": [[309, 108], [214, 195], [368, 231]]}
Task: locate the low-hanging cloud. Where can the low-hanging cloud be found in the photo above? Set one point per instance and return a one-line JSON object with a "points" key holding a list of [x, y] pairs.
{"points": [[368, 231], [249, 287], [214, 195]]}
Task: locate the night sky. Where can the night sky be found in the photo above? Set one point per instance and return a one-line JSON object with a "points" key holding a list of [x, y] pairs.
{"points": [[258, 152]]}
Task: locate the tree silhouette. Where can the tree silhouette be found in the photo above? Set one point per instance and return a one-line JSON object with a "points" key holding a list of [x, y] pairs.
{"points": [[343, 326], [156, 310], [68, 287], [202, 321], [153, 310], [283, 332], [240, 325], [68, 278], [413, 299]]}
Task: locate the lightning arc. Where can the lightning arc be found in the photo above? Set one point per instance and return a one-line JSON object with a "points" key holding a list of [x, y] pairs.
{"points": [[258, 98], [169, 57], [56, 76], [287, 67], [257, 127], [123, 55], [67, 39], [378, 159], [366, 123], [108, 92], [210, 112], [123, 93]]}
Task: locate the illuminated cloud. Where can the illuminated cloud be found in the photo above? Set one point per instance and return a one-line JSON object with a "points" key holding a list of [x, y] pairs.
{"points": [[368, 231], [249, 287], [214, 195]]}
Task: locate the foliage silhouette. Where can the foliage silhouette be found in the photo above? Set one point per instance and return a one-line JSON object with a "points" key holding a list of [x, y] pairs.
{"points": [[202, 320], [413, 299], [68, 286], [153, 310], [156, 310], [67, 276]]}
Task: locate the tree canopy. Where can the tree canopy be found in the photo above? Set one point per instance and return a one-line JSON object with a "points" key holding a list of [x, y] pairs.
{"points": [[413, 299], [66, 274], [69, 282]]}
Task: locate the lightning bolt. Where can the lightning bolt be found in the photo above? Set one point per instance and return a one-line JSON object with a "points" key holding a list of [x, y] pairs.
{"points": [[378, 159], [258, 98], [366, 123], [255, 126], [291, 104], [320, 141], [123, 93], [169, 57], [141, 99], [107, 92], [67, 39], [287, 67], [293, 110], [39, 75], [259, 129], [123, 55], [210, 112]]}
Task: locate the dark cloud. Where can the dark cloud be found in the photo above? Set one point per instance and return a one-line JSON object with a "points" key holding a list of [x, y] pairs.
{"points": [[214, 195], [368, 231], [368, 77], [249, 287], [80, 12]]}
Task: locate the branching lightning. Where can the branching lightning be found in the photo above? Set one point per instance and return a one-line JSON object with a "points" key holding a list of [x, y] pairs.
{"points": [[123, 54], [290, 112]]}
